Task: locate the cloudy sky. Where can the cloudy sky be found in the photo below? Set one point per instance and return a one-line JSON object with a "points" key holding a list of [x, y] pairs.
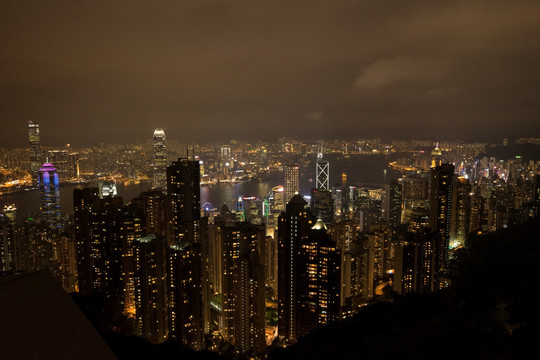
{"points": [[93, 71]]}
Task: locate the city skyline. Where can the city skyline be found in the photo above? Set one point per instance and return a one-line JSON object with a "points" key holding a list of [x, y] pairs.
{"points": [[249, 70]]}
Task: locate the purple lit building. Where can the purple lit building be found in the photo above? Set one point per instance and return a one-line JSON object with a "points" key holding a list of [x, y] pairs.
{"points": [[49, 193]]}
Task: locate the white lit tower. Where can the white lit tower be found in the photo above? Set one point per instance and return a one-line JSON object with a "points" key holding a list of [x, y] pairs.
{"points": [[160, 160], [322, 171]]}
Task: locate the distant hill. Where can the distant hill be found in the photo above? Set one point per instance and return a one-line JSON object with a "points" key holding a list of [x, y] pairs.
{"points": [[489, 312]]}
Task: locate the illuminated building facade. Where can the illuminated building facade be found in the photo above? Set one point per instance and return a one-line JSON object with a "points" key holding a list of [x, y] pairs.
{"points": [[440, 209], [100, 242], [293, 224], [160, 160], [107, 188], [186, 271], [49, 194], [185, 295], [150, 298], [292, 181], [417, 264], [318, 282], [243, 286], [322, 173], [322, 205], [415, 195], [392, 203], [35, 150], [7, 250], [436, 156], [461, 200], [183, 186]]}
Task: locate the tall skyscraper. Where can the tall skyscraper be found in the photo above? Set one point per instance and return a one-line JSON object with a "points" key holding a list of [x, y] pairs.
{"points": [[392, 203], [322, 173], [186, 271], [35, 151], [150, 299], [440, 209], [322, 205], [185, 295], [160, 160], [244, 286], [99, 242], [7, 250], [183, 187], [49, 194], [436, 156], [293, 224], [461, 203], [292, 181], [415, 195], [319, 279], [416, 263]]}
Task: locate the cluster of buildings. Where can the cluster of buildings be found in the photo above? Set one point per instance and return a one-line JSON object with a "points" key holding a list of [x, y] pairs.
{"points": [[214, 277]]}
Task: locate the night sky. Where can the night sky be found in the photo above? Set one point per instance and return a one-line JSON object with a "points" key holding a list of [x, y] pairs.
{"points": [[94, 71]]}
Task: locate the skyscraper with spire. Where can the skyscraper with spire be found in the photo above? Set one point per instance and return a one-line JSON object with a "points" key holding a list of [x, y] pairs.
{"points": [[35, 152], [160, 160]]}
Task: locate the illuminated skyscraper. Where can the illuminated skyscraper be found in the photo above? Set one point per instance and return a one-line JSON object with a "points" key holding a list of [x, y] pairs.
{"points": [[392, 203], [35, 151], [323, 173], [322, 205], [436, 156], [186, 271], [415, 195], [318, 283], [243, 286], [416, 263], [99, 242], [292, 181], [461, 203], [293, 224], [160, 160], [440, 209], [49, 193], [183, 186], [7, 250], [150, 299]]}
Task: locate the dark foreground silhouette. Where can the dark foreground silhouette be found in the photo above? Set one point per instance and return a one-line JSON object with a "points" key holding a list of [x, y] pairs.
{"points": [[489, 312]]}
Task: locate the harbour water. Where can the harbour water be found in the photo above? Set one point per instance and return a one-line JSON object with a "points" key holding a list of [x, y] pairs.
{"points": [[360, 169]]}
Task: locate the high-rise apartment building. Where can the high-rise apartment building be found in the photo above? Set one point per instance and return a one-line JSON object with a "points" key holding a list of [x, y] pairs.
{"points": [[322, 205], [417, 263], [150, 282], [183, 187], [99, 242], [318, 280], [187, 273], [293, 224], [243, 285], [160, 160], [392, 203], [415, 195], [461, 202], [440, 209]]}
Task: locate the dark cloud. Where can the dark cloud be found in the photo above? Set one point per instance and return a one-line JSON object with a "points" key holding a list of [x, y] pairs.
{"points": [[204, 70]]}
